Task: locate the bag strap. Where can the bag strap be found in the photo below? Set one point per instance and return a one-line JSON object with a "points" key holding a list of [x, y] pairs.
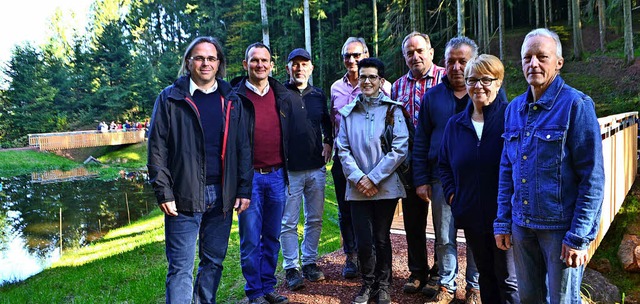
{"points": [[389, 121]]}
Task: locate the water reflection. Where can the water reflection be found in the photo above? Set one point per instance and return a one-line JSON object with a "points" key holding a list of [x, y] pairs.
{"points": [[30, 217]]}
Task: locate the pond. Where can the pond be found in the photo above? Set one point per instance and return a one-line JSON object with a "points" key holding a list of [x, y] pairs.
{"points": [[44, 212]]}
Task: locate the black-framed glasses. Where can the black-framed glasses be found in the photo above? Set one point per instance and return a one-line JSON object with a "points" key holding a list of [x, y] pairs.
{"points": [[485, 81], [372, 78], [202, 59], [355, 56]]}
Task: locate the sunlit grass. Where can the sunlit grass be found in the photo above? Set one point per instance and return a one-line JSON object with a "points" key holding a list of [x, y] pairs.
{"points": [[13, 163]]}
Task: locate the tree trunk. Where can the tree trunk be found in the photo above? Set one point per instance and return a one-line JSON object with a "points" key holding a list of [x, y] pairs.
{"points": [[460, 9], [628, 32], [578, 47], [265, 22], [537, 8], [501, 27], [569, 13], [307, 32], [412, 14], [601, 23], [544, 11], [550, 12], [375, 27]]}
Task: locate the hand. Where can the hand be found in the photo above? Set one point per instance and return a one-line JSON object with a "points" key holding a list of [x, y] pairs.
{"points": [[366, 187], [169, 208], [573, 257], [326, 152], [503, 241], [424, 192], [241, 204]]}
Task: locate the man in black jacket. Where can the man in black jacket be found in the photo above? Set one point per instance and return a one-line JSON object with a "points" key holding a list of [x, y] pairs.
{"points": [[200, 168], [272, 111], [307, 176]]}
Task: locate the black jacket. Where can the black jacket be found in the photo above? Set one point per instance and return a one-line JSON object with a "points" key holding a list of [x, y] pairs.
{"points": [[308, 157], [289, 106], [176, 159]]}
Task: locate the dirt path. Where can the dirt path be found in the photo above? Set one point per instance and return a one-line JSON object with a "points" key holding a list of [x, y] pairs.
{"points": [[336, 289]]}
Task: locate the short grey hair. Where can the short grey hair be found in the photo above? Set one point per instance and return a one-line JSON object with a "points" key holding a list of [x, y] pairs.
{"points": [[457, 42], [544, 32], [222, 67], [350, 40], [414, 34]]}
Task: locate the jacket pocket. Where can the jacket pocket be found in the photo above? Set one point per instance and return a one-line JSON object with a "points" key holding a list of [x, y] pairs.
{"points": [[548, 148], [511, 144]]}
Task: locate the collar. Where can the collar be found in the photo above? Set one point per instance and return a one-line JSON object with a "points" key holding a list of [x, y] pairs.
{"points": [[427, 75], [345, 79], [193, 87], [256, 90], [549, 96]]}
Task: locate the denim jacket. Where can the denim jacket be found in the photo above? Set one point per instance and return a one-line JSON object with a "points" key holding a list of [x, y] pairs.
{"points": [[552, 170]]}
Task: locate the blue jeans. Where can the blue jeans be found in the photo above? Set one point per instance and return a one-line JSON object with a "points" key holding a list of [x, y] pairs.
{"points": [[310, 185], [259, 228], [181, 232], [344, 208], [542, 276], [446, 246]]}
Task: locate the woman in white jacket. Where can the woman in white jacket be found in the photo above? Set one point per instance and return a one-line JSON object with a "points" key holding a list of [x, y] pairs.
{"points": [[373, 186]]}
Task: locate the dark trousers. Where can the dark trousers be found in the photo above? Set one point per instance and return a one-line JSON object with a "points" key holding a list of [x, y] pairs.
{"points": [[344, 208], [372, 224], [497, 268], [414, 213]]}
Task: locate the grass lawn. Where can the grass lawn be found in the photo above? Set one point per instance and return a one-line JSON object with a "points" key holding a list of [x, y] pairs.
{"points": [[14, 163], [129, 266]]}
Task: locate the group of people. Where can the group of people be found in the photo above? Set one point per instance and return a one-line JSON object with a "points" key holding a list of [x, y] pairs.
{"points": [[103, 127], [524, 180]]}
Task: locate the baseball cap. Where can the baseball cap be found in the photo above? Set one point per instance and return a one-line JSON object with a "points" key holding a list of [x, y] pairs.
{"points": [[299, 52]]}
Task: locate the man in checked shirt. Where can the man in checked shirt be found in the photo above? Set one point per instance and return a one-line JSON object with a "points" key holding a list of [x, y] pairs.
{"points": [[408, 89]]}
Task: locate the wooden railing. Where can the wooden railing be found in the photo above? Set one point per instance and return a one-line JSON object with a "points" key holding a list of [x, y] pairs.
{"points": [[60, 176], [84, 139], [620, 151]]}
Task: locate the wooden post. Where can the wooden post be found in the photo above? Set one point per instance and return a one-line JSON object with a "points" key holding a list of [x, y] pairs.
{"points": [[126, 200]]}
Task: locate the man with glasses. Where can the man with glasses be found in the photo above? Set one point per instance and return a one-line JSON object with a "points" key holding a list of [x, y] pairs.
{"points": [[343, 92], [409, 89], [307, 176], [272, 117], [200, 168], [438, 105]]}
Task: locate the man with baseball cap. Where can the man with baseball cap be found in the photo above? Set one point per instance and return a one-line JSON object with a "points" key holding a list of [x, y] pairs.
{"points": [[307, 175]]}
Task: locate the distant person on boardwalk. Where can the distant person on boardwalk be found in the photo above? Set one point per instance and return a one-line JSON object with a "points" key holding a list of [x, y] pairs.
{"points": [[200, 168], [307, 176], [551, 177], [343, 92], [373, 186], [469, 162], [423, 74]]}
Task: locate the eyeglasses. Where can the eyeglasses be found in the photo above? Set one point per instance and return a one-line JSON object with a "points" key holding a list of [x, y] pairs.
{"points": [[201, 59], [355, 56], [485, 81], [372, 78]]}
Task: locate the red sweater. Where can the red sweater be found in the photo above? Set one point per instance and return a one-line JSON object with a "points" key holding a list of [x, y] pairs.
{"points": [[267, 140]]}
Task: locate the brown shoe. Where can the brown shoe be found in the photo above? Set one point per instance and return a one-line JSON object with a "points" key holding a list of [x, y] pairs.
{"points": [[443, 296], [472, 296]]}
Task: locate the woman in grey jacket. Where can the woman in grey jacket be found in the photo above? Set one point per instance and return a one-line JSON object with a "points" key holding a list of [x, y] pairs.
{"points": [[373, 186]]}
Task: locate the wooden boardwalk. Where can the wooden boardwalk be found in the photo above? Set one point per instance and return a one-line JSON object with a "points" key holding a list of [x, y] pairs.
{"points": [[84, 139], [397, 227]]}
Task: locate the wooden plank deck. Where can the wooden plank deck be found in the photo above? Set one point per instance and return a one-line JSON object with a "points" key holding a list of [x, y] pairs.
{"points": [[397, 227]]}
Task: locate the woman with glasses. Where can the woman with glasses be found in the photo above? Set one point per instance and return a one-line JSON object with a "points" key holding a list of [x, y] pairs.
{"points": [[469, 163], [373, 187]]}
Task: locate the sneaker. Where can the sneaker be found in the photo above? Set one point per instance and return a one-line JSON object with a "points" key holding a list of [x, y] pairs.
{"points": [[431, 287], [276, 298], [472, 296], [294, 279], [350, 269], [363, 296], [413, 285], [443, 296], [312, 273], [383, 296], [258, 300]]}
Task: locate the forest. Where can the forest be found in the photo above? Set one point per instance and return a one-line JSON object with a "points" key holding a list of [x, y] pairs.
{"points": [[130, 50]]}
